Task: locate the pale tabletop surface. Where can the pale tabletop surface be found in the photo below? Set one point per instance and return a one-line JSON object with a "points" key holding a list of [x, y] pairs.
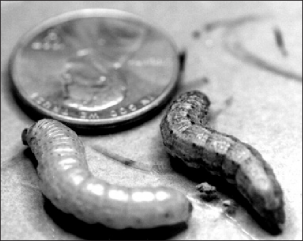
{"points": [[263, 81]]}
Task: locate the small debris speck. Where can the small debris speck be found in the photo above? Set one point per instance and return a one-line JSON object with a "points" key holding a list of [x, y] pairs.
{"points": [[207, 192], [196, 34], [229, 206]]}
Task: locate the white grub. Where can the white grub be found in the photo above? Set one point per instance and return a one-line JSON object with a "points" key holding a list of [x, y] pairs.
{"points": [[67, 182]]}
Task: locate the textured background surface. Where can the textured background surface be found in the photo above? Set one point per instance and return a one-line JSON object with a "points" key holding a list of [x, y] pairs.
{"points": [[266, 111]]}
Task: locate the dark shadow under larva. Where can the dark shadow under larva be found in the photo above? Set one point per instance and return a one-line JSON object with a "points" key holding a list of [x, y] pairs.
{"points": [[65, 180], [186, 136]]}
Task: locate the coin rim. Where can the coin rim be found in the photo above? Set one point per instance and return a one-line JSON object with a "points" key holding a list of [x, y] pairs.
{"points": [[83, 13]]}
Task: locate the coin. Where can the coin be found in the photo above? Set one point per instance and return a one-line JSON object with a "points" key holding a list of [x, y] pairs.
{"points": [[95, 68]]}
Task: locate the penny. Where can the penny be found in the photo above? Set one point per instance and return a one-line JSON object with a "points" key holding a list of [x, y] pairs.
{"points": [[95, 68]]}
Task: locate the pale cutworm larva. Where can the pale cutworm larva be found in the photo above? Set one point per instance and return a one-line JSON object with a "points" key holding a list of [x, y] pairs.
{"points": [[66, 181], [186, 136]]}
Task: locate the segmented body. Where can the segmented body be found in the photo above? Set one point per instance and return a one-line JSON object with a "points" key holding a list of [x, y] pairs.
{"points": [[186, 136], [71, 187]]}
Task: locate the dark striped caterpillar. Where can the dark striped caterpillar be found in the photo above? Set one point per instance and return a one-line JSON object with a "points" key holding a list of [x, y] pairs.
{"points": [[186, 136], [67, 182]]}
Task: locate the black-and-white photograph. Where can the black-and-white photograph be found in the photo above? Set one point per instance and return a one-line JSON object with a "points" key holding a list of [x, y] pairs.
{"points": [[151, 120]]}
